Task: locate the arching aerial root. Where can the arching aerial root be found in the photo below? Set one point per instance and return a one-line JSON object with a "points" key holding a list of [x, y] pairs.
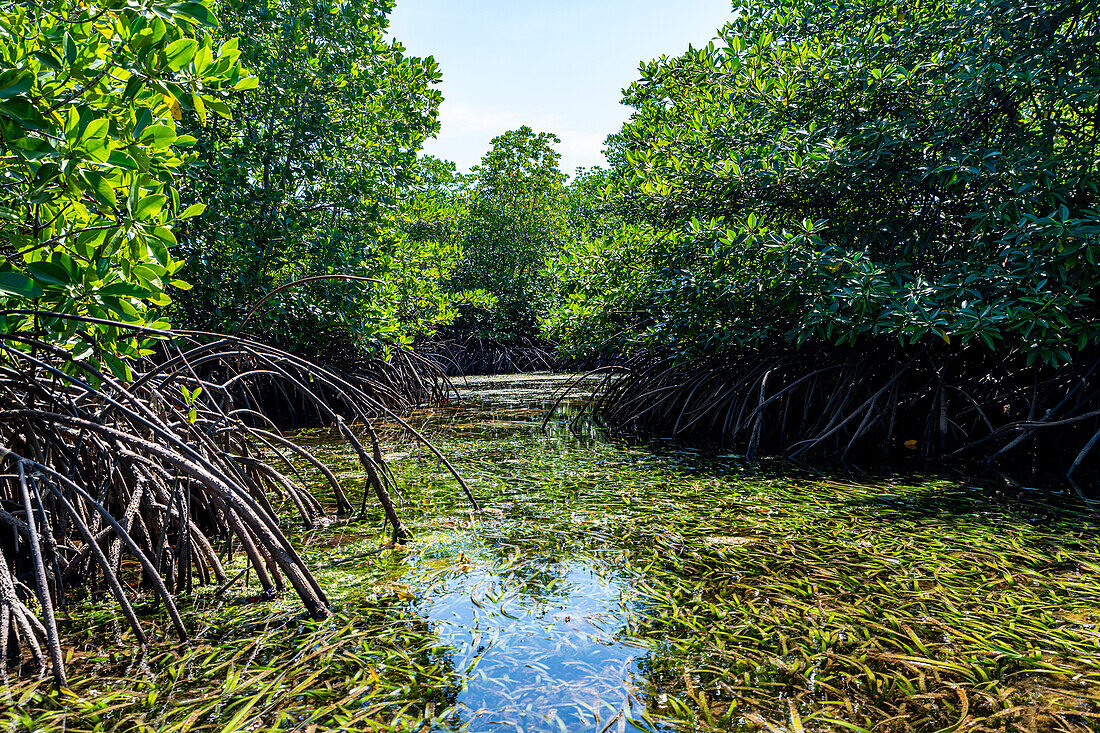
{"points": [[174, 468], [840, 403]]}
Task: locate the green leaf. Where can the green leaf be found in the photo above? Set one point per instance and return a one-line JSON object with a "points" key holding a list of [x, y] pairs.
{"points": [[199, 107], [159, 136], [246, 83], [33, 149], [21, 110], [120, 159], [192, 210], [47, 59], [124, 290], [97, 150], [103, 191], [19, 285], [144, 118], [219, 107], [179, 53], [118, 367], [193, 11], [113, 244], [15, 85], [133, 86], [160, 252], [149, 206], [68, 46], [165, 235], [47, 272], [95, 129], [151, 273], [122, 308], [134, 193]]}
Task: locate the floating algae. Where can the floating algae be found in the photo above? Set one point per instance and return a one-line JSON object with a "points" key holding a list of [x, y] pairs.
{"points": [[616, 588]]}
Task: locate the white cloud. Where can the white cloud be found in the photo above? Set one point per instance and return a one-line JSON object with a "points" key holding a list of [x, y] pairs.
{"points": [[466, 132], [459, 118], [580, 149]]}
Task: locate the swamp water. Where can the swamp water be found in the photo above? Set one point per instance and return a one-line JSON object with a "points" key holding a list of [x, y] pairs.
{"points": [[610, 588]]}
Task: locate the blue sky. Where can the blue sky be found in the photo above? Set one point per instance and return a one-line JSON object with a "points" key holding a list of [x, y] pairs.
{"points": [[556, 65]]}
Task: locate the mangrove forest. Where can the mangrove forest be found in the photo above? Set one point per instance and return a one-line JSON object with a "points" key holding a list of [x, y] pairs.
{"points": [[783, 417]]}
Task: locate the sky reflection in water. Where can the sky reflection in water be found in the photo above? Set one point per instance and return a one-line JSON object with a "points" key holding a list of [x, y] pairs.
{"points": [[540, 642]]}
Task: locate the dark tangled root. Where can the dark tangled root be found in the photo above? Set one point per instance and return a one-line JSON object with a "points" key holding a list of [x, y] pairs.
{"points": [[475, 355], [174, 468], [833, 403]]}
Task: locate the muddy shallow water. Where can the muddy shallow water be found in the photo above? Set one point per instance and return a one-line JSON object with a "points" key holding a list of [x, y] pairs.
{"points": [[613, 588]]}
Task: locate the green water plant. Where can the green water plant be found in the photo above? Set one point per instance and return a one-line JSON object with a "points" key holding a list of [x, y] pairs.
{"points": [[752, 597]]}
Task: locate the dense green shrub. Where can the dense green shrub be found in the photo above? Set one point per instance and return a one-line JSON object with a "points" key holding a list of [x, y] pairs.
{"points": [[90, 154], [305, 180], [842, 170], [434, 215], [515, 219]]}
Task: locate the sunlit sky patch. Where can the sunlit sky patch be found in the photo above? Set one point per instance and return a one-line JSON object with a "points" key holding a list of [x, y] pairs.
{"points": [[556, 65]]}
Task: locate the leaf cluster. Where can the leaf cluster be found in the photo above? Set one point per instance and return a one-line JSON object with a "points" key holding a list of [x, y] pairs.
{"points": [[844, 170], [516, 218], [306, 178], [90, 152]]}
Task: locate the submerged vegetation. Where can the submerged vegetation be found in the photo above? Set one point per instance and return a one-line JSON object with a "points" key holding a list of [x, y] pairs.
{"points": [[841, 231], [594, 594]]}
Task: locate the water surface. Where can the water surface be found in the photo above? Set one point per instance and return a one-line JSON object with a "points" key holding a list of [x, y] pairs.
{"points": [[611, 588]]}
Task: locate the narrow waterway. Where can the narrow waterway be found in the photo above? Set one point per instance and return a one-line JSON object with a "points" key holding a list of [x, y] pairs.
{"points": [[614, 588]]}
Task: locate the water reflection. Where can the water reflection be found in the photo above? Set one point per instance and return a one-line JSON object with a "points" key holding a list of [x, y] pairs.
{"points": [[538, 629], [617, 586], [541, 642]]}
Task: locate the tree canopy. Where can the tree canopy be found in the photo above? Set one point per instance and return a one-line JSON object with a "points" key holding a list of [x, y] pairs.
{"points": [[854, 170], [90, 158], [821, 172], [515, 221], [304, 179]]}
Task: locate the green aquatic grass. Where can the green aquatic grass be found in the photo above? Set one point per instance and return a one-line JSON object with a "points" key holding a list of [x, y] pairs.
{"points": [[695, 593]]}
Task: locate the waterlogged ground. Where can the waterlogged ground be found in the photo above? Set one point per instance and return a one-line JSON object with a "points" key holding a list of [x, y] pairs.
{"points": [[608, 588]]}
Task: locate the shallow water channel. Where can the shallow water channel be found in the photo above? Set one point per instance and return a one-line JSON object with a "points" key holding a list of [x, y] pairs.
{"points": [[614, 588]]}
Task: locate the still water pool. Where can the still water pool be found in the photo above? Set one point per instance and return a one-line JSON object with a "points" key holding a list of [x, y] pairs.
{"points": [[614, 588]]}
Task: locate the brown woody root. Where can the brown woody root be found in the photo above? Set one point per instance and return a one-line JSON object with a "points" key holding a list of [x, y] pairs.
{"points": [[833, 403], [175, 470], [475, 355]]}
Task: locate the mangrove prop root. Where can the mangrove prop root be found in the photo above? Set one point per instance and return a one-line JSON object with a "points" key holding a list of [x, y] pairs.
{"points": [[130, 487], [468, 355], [882, 400]]}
